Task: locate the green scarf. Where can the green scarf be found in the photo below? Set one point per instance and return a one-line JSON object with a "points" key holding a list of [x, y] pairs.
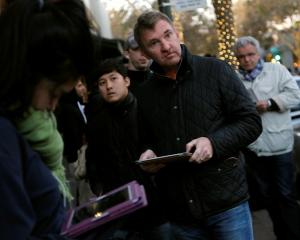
{"points": [[40, 129]]}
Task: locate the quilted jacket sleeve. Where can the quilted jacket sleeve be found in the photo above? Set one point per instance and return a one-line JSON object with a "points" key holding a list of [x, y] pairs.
{"points": [[243, 125]]}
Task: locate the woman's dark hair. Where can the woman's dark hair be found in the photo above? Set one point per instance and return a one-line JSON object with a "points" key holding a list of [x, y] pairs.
{"points": [[41, 39]]}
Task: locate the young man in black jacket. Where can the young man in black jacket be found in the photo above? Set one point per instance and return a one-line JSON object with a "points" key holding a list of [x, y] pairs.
{"points": [[196, 105], [112, 136]]}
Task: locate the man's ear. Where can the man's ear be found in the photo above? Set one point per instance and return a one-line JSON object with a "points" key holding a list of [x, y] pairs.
{"points": [[127, 81]]}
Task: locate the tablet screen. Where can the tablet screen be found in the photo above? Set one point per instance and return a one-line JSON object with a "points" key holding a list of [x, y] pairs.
{"points": [[97, 208]]}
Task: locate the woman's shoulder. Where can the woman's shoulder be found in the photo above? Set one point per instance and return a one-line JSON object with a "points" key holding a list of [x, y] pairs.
{"points": [[9, 146], [6, 128], [10, 139]]}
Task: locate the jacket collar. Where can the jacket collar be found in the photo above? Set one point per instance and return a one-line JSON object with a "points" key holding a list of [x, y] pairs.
{"points": [[123, 106], [183, 67]]}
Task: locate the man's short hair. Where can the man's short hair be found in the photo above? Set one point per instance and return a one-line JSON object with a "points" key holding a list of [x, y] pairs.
{"points": [[243, 41], [147, 20], [131, 43], [107, 66]]}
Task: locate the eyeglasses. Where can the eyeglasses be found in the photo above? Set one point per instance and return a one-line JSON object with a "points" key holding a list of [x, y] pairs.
{"points": [[242, 56]]}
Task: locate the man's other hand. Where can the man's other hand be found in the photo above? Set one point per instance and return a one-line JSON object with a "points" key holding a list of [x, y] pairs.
{"points": [[203, 149]]}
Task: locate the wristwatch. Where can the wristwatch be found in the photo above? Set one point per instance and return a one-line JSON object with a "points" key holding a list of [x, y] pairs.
{"points": [[269, 105]]}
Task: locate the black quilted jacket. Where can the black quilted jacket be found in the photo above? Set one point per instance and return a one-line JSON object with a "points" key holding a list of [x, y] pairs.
{"points": [[207, 99]]}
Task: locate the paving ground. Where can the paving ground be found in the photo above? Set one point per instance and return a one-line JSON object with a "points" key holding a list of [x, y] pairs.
{"points": [[262, 226]]}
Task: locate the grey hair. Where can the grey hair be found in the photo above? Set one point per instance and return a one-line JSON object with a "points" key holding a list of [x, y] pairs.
{"points": [[243, 41]]}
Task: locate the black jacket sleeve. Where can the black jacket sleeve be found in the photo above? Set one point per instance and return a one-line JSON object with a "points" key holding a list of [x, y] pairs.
{"points": [[243, 124]]}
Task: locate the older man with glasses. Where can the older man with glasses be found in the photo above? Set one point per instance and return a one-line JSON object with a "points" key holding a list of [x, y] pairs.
{"points": [[269, 158]]}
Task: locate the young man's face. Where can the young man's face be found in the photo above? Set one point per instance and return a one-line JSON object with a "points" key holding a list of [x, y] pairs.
{"points": [[248, 57], [137, 60], [113, 87], [162, 44]]}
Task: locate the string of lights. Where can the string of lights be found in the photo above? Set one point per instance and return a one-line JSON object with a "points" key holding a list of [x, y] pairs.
{"points": [[225, 25]]}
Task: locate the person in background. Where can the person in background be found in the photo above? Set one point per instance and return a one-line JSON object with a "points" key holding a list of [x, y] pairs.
{"points": [[112, 136], [138, 63], [45, 47], [197, 105], [269, 158], [72, 121]]}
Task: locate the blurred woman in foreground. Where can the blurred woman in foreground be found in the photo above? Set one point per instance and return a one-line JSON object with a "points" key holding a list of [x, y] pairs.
{"points": [[45, 47]]}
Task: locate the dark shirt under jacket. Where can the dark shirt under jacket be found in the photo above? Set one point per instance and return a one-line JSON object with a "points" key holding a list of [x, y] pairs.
{"points": [[207, 99], [113, 149]]}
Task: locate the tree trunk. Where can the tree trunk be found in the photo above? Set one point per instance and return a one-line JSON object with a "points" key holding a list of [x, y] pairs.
{"points": [[226, 34]]}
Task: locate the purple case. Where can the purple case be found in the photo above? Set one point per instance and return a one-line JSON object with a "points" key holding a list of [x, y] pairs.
{"points": [[100, 210]]}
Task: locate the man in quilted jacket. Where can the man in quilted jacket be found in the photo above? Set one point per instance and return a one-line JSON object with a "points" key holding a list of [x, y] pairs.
{"points": [[197, 105]]}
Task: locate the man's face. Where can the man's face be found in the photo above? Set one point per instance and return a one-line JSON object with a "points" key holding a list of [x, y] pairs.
{"points": [[248, 57], [137, 60], [162, 44], [113, 87]]}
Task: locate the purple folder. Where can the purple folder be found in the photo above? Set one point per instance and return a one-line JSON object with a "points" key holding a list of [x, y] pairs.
{"points": [[112, 205]]}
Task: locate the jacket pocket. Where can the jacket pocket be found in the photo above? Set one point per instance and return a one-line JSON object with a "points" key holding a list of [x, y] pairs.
{"points": [[219, 187], [273, 141]]}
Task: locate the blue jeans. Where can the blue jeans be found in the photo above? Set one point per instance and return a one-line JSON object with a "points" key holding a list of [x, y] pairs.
{"points": [[233, 224], [112, 231], [161, 232], [273, 180]]}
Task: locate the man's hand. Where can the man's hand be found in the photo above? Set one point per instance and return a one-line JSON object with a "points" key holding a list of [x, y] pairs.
{"points": [[262, 106], [147, 154], [151, 168], [203, 149]]}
